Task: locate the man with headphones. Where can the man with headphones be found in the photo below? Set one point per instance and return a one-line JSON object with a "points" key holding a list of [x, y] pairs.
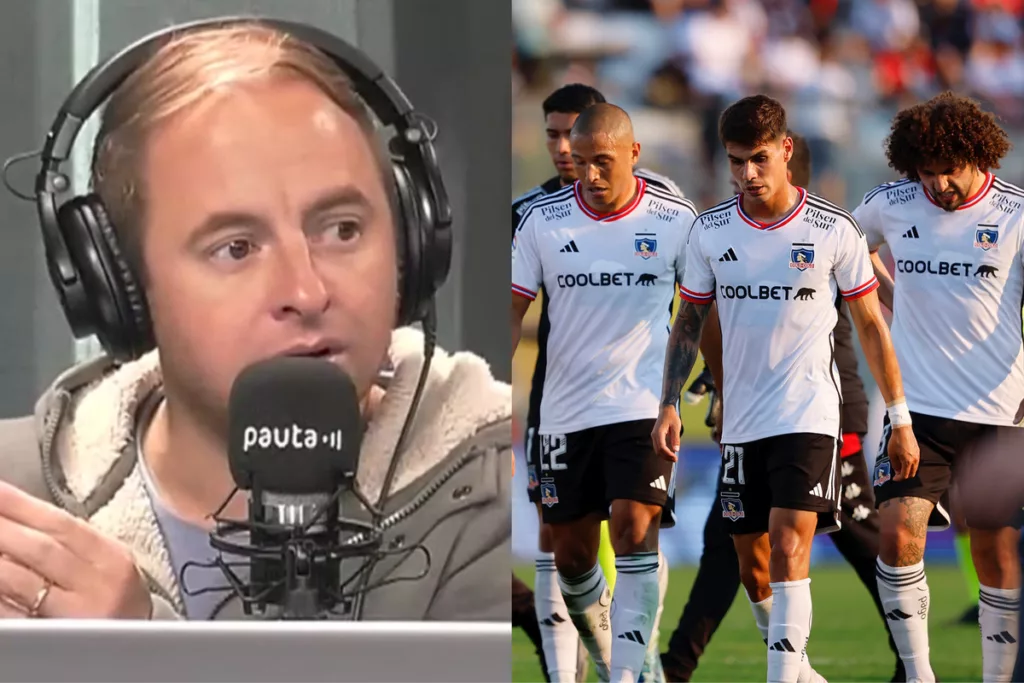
{"points": [[243, 209]]}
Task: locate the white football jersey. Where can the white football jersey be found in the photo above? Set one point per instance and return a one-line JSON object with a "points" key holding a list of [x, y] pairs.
{"points": [[777, 287], [609, 282], [959, 282]]}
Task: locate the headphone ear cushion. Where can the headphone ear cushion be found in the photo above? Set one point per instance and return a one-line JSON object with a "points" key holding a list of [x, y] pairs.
{"points": [[410, 247], [130, 283], [121, 312]]}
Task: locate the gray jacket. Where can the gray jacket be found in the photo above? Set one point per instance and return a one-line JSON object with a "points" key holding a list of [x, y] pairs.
{"points": [[450, 493]]}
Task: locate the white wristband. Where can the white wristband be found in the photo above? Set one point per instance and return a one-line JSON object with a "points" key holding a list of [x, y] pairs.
{"points": [[899, 413]]}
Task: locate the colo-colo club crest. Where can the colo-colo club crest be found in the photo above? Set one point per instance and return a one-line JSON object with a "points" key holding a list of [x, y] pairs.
{"points": [[986, 237], [801, 256], [646, 246]]}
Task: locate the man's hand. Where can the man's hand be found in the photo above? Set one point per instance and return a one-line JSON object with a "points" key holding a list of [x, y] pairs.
{"points": [[667, 433], [53, 564], [904, 453], [1020, 413], [715, 417]]}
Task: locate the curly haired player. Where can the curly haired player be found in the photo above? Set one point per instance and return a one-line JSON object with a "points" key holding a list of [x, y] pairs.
{"points": [[955, 232]]}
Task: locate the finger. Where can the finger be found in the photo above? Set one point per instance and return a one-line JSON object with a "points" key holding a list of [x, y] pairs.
{"points": [[9, 610], [29, 511], [41, 554], [661, 445], [915, 463], [656, 439], [1020, 414], [21, 587], [18, 584], [909, 468], [897, 466]]}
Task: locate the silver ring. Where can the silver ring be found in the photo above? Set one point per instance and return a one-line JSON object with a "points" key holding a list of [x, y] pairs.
{"points": [[33, 611]]}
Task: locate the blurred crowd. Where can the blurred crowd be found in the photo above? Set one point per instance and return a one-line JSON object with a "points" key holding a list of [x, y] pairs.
{"points": [[829, 61]]}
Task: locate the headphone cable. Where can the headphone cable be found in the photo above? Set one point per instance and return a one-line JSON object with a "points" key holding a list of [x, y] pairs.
{"points": [[429, 345]]}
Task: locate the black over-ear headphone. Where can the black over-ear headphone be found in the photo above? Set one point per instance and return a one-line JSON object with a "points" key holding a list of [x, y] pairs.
{"points": [[97, 288]]}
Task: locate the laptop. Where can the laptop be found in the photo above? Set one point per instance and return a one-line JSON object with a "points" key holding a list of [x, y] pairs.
{"points": [[107, 651]]}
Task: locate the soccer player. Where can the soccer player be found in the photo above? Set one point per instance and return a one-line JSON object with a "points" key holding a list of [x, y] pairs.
{"points": [[992, 490], [559, 639], [608, 252], [955, 232], [776, 259], [718, 578]]}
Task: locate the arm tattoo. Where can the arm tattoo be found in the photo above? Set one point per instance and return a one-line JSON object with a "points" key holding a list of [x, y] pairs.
{"points": [[682, 350]]}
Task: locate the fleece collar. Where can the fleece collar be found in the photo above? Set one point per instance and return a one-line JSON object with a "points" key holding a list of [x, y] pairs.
{"points": [[101, 404]]}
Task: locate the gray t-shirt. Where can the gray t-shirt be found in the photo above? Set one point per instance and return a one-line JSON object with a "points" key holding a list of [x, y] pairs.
{"points": [[186, 542]]}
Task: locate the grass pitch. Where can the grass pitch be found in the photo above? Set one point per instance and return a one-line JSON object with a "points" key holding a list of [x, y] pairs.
{"points": [[848, 639]]}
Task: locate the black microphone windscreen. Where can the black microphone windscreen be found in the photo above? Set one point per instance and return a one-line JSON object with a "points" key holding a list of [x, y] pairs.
{"points": [[294, 426]]}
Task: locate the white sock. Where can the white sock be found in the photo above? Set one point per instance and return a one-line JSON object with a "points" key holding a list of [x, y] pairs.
{"points": [[634, 607], [762, 617], [582, 660], [587, 600], [905, 597], [997, 615], [557, 634], [762, 614], [789, 627], [653, 671]]}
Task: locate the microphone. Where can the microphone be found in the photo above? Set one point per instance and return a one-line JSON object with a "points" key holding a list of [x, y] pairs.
{"points": [[294, 437]]}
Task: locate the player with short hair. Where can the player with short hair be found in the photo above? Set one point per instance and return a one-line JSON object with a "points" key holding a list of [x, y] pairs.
{"points": [[718, 577], [559, 641], [776, 259], [956, 233], [607, 251]]}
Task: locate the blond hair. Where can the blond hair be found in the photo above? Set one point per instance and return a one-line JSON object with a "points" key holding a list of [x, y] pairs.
{"points": [[186, 70]]}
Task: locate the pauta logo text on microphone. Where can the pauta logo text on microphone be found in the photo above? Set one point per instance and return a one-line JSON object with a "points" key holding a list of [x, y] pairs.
{"points": [[289, 437]]}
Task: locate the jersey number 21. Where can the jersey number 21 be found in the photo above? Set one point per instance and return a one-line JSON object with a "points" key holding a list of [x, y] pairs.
{"points": [[732, 459]]}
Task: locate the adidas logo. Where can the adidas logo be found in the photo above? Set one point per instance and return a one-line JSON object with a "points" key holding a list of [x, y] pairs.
{"points": [[553, 620], [912, 233], [633, 636], [1005, 638], [896, 615], [659, 483], [782, 646], [729, 256], [816, 491], [570, 248]]}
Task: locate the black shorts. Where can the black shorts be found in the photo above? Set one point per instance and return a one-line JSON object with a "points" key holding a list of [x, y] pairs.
{"points": [[532, 448], [791, 471], [858, 500], [943, 442], [583, 472]]}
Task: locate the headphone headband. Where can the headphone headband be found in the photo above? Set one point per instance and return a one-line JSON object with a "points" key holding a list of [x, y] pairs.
{"points": [[374, 86]]}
